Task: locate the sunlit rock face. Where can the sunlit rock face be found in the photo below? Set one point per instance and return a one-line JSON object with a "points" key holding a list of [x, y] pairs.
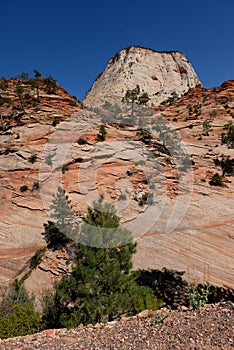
{"points": [[159, 74]]}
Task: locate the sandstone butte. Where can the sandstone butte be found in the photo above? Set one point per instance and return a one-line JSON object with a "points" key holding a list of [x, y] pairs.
{"points": [[159, 74], [201, 240]]}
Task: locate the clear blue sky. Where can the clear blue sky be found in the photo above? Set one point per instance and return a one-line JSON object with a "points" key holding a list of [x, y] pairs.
{"points": [[72, 40]]}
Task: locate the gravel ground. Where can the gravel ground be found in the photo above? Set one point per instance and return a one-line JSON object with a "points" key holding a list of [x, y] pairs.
{"points": [[211, 327]]}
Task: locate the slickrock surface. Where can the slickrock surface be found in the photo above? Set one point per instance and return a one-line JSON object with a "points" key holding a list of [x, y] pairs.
{"points": [[209, 328], [160, 74], [202, 244]]}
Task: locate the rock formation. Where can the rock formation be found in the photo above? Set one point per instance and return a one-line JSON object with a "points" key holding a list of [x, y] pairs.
{"points": [[159, 74], [202, 244]]}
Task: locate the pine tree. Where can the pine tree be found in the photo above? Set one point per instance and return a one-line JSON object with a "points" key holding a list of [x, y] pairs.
{"points": [[59, 232], [102, 133], [101, 286], [143, 98], [132, 96], [102, 227]]}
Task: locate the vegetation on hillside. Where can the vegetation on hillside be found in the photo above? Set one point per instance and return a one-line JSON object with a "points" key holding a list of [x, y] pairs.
{"points": [[17, 313], [101, 286]]}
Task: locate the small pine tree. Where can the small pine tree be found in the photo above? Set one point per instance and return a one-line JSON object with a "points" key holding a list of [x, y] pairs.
{"points": [[62, 211], [102, 133], [132, 96], [216, 180], [143, 98], [58, 232], [101, 286], [50, 85], [101, 227], [206, 127], [228, 138], [17, 294], [37, 73]]}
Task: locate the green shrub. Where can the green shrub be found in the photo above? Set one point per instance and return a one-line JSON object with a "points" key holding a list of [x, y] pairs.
{"points": [[17, 294], [55, 122], [50, 85], [81, 141], [3, 84], [228, 138], [56, 234], [23, 188], [6, 100], [206, 127], [35, 186], [101, 134], [32, 158], [226, 163], [36, 258], [197, 109], [216, 180], [198, 295], [17, 320]]}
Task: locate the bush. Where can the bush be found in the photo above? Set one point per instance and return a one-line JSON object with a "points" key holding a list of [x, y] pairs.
{"points": [[23, 188], [17, 320], [54, 237], [32, 158], [36, 258], [3, 84], [35, 186], [198, 295], [216, 180], [81, 141], [17, 294], [206, 127], [6, 100], [101, 134], [50, 85], [146, 198], [228, 138], [226, 164], [55, 122]]}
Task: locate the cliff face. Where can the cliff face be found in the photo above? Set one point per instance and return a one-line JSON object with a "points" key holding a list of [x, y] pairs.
{"points": [[160, 74], [202, 244]]}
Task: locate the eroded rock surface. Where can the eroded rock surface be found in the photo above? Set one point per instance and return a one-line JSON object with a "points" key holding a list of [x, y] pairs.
{"points": [[202, 241], [159, 74]]}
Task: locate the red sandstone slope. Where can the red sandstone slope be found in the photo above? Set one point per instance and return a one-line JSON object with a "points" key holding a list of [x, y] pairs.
{"points": [[201, 243]]}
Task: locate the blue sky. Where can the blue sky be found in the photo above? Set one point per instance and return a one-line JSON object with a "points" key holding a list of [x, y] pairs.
{"points": [[73, 40]]}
